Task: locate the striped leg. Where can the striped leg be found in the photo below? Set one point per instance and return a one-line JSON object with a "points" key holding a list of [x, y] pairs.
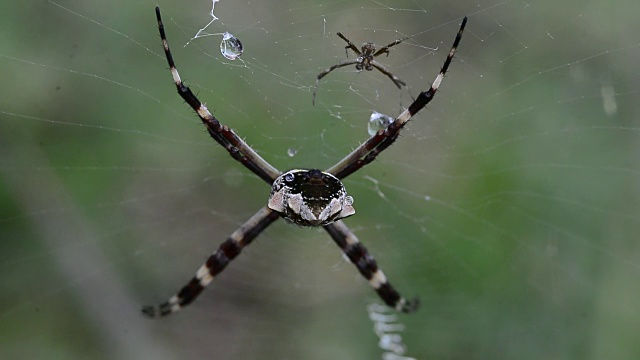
{"points": [[238, 149], [368, 267], [215, 263], [367, 152]]}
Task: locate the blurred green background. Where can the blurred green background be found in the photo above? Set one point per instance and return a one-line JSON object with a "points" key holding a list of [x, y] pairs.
{"points": [[509, 204]]}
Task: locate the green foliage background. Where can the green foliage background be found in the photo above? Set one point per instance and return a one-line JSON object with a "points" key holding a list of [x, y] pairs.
{"points": [[111, 194]]}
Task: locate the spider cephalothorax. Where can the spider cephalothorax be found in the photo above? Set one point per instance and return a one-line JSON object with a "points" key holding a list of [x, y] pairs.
{"points": [[364, 60], [305, 197], [310, 198]]}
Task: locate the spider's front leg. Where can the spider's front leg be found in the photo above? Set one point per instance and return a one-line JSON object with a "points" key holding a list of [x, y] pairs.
{"points": [[370, 149], [222, 134], [385, 49], [350, 45]]}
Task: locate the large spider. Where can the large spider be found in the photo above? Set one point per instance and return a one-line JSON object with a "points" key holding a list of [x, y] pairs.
{"points": [[305, 197], [365, 60]]}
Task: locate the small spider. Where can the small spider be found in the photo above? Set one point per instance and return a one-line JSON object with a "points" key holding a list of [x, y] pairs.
{"points": [[307, 197], [365, 60]]}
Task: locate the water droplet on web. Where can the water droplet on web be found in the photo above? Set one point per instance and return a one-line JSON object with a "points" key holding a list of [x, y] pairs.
{"points": [[230, 47], [378, 122], [292, 152]]}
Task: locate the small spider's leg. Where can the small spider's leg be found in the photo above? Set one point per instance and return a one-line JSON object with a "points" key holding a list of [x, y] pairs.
{"points": [[368, 267], [236, 147], [399, 83], [385, 49], [215, 263], [369, 150], [327, 71], [350, 46]]}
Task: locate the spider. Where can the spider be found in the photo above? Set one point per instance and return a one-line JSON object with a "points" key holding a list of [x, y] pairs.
{"points": [[365, 60], [307, 197]]}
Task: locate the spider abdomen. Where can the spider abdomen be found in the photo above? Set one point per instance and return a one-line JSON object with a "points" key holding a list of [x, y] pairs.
{"points": [[310, 197]]}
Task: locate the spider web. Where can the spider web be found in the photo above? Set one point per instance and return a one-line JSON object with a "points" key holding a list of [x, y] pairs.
{"points": [[509, 204]]}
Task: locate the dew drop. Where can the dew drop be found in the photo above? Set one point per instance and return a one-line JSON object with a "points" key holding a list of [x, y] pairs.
{"points": [[292, 152], [378, 122], [230, 47]]}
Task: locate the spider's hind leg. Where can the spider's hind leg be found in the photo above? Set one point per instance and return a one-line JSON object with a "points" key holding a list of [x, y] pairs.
{"points": [[214, 265], [368, 267]]}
